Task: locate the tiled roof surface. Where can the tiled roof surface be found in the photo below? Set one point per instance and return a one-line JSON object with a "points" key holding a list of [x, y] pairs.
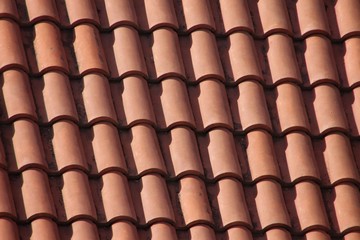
{"points": [[184, 119]]}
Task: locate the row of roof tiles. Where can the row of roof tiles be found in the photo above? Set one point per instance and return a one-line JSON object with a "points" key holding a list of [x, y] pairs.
{"points": [[263, 17], [139, 150], [184, 203]]}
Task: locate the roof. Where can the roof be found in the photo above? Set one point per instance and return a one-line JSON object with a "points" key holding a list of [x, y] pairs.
{"points": [[157, 119]]}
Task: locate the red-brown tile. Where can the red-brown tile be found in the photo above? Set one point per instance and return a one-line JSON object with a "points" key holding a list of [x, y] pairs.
{"points": [[181, 153], [8, 8], [210, 105], [266, 205], [42, 229], [278, 59], [88, 49], [325, 109], [7, 208], [235, 233], [63, 146], [38, 10], [198, 232], [287, 108], [308, 17], [112, 198], [239, 57], [17, 100], [102, 148], [79, 230], [73, 198], [211, 153], [3, 163], [93, 99], [306, 208], [162, 54], [348, 61], [352, 236], [159, 231], [132, 101], [120, 230], [142, 150], [335, 159], [76, 12], [344, 17], [246, 114], [32, 195], [228, 203], [295, 155], [155, 13], [232, 15], [351, 102], [22, 144], [113, 13], [12, 51], [275, 234], [171, 103], [260, 160], [270, 16], [9, 229], [319, 61], [146, 191], [201, 56], [315, 235], [343, 207], [124, 43], [53, 97]]}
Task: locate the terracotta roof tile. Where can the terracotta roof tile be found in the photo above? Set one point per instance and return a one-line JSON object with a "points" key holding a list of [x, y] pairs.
{"points": [[155, 119]]}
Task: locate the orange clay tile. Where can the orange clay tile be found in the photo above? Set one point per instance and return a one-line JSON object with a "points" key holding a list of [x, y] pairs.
{"points": [[142, 151], [240, 57], [232, 15], [119, 230], [123, 43], [78, 230], [8, 8], [132, 101], [266, 205], [270, 16], [63, 135], [32, 195], [209, 104], [344, 207], [11, 47], [102, 148], [287, 108], [180, 152], [7, 208], [236, 232], [160, 231], [195, 15], [171, 103], [325, 109], [53, 97], [9, 229], [308, 17], [328, 151], [200, 56], [198, 232], [112, 198], [306, 208], [42, 229], [76, 12], [275, 234], [260, 160], [38, 10], [344, 17], [279, 59], [23, 147], [315, 235], [348, 60], [146, 191], [319, 60], [162, 54], [73, 196], [352, 236], [95, 102], [17, 97], [114, 13], [211, 153], [88, 49], [296, 158], [47, 58], [228, 203], [249, 114], [155, 13]]}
